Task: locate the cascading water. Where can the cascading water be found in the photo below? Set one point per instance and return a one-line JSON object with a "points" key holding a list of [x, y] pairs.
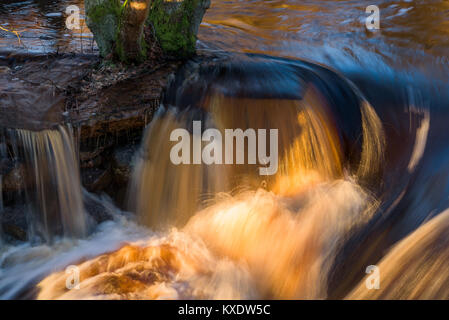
{"points": [[55, 214], [253, 236], [422, 253], [362, 174], [225, 231], [313, 143], [55, 200]]}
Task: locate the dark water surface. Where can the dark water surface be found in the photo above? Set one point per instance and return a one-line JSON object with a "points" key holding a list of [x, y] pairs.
{"points": [[412, 33], [42, 28]]}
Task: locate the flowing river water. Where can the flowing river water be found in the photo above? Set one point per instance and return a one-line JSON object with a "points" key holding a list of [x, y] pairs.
{"points": [[363, 172]]}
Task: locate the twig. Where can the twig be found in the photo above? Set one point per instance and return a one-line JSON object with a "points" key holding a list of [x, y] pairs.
{"points": [[17, 33]]}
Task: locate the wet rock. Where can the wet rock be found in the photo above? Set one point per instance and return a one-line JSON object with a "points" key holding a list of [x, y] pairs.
{"points": [[122, 163], [96, 209], [14, 232], [88, 155], [13, 223], [33, 96], [6, 165], [92, 163], [100, 100], [96, 179], [109, 106], [16, 179], [118, 101], [91, 158]]}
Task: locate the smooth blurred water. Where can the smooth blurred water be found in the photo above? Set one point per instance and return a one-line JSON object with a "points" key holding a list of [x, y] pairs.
{"points": [[413, 34], [401, 70]]}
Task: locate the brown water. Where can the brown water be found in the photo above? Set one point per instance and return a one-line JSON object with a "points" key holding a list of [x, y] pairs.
{"points": [[412, 33], [56, 191], [333, 32], [42, 28], [363, 173]]}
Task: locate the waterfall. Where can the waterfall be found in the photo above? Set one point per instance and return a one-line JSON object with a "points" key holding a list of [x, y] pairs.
{"points": [[223, 230], [318, 141], [424, 253], [164, 194], [56, 204]]}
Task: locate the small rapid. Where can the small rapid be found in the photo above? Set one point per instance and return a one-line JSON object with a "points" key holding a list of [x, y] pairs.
{"points": [[362, 174]]}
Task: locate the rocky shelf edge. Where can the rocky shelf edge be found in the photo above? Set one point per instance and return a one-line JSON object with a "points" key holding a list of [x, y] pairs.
{"points": [[107, 105]]}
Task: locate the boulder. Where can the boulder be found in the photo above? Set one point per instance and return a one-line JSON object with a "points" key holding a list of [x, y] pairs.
{"points": [[118, 27], [131, 46], [102, 18], [176, 24]]}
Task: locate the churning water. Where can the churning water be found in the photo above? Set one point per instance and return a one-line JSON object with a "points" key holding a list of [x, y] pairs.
{"points": [[363, 168]]}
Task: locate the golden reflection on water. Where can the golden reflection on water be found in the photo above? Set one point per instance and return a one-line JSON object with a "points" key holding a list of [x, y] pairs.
{"points": [[411, 32], [278, 242], [416, 267]]}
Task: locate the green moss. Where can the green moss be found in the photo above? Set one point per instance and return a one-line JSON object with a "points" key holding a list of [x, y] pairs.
{"points": [[103, 20], [173, 30], [172, 26], [144, 46], [121, 54], [119, 48], [99, 12]]}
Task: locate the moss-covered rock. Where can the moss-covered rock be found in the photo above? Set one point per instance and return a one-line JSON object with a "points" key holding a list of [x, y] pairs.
{"points": [[176, 24], [131, 44], [118, 26], [102, 18]]}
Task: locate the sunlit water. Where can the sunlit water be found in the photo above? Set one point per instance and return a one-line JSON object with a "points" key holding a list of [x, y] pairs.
{"points": [[364, 163], [412, 33]]}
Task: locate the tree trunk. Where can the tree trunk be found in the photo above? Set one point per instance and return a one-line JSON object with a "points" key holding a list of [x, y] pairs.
{"points": [[131, 46], [118, 26]]}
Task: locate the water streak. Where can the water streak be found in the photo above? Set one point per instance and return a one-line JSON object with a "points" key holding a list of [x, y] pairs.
{"points": [[56, 200]]}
